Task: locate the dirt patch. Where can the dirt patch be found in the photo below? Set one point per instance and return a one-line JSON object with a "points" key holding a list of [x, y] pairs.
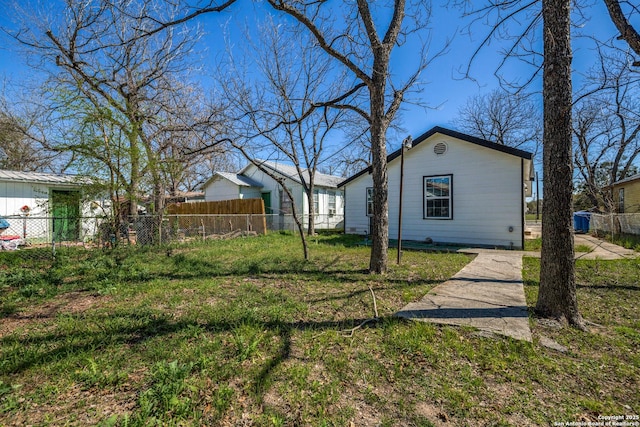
{"points": [[90, 406], [431, 412], [70, 303]]}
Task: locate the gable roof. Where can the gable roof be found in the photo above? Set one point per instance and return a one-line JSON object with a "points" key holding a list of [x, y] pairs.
{"points": [[290, 171], [41, 178], [239, 180], [628, 179], [454, 134]]}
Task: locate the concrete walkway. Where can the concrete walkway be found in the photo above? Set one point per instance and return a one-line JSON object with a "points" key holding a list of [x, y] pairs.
{"points": [[487, 294], [600, 249]]}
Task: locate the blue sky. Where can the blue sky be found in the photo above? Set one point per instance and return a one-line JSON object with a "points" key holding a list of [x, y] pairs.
{"points": [[445, 90]]}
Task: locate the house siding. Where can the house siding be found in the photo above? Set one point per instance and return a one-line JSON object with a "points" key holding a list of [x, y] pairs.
{"points": [[631, 196], [487, 195], [250, 193], [323, 217], [14, 195], [221, 189], [39, 224], [271, 185], [300, 198]]}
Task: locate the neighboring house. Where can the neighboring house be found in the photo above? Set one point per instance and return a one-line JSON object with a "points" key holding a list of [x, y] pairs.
{"points": [[42, 205], [229, 186], [457, 189], [251, 182], [626, 194]]}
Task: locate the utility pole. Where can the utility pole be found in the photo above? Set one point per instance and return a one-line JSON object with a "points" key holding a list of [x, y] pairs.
{"points": [[537, 197], [406, 145]]}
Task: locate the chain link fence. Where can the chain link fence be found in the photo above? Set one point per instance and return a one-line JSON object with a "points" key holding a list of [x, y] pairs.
{"points": [[615, 224], [49, 234]]}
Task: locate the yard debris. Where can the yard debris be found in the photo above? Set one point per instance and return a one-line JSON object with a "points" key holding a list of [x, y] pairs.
{"points": [[549, 343], [349, 332], [232, 235], [11, 245]]}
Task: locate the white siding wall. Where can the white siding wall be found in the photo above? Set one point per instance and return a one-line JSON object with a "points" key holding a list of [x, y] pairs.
{"points": [[38, 225], [356, 220], [250, 193], [323, 219], [270, 184], [14, 195], [487, 195], [299, 197], [221, 189]]}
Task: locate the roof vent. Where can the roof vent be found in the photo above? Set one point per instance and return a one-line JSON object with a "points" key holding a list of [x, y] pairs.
{"points": [[440, 148]]}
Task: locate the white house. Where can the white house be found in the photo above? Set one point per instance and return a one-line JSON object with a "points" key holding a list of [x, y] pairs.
{"points": [[456, 189], [42, 205], [251, 182]]}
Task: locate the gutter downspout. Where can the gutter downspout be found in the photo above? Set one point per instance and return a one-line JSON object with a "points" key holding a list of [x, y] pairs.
{"points": [[522, 196]]}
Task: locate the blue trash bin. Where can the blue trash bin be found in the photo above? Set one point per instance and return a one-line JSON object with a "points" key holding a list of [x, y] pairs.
{"points": [[581, 221]]}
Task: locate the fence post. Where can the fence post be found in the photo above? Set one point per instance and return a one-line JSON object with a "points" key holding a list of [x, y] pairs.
{"points": [[611, 225]]}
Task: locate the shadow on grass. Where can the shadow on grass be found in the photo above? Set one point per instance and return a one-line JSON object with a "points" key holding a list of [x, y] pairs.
{"points": [[21, 353], [609, 287], [346, 240], [536, 284]]}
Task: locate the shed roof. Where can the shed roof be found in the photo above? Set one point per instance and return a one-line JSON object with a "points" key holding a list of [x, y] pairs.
{"points": [[454, 134], [41, 178], [628, 179], [239, 180]]}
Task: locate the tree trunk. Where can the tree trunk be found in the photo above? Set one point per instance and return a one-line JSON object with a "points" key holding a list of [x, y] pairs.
{"points": [[380, 220], [311, 226], [134, 180], [557, 293], [296, 219]]}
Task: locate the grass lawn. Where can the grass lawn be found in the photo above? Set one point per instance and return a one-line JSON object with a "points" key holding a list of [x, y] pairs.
{"points": [[629, 241], [535, 245], [245, 332]]}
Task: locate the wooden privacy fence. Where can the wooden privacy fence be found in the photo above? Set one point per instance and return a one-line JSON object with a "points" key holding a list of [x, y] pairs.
{"points": [[211, 218]]}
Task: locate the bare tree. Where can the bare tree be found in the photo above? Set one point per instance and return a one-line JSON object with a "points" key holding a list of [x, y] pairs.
{"points": [[363, 46], [607, 127], [506, 118], [557, 294], [274, 114], [108, 68], [19, 150]]}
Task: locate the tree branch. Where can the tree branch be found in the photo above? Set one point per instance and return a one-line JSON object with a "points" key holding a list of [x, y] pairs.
{"points": [[627, 32]]}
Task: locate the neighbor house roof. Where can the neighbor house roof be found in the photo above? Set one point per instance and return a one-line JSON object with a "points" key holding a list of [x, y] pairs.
{"points": [[628, 179], [239, 180], [289, 171], [41, 178], [453, 134]]}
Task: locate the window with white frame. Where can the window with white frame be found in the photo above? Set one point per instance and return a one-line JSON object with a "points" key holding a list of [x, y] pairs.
{"points": [[285, 202], [621, 200], [437, 197], [369, 201], [316, 202], [331, 195]]}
